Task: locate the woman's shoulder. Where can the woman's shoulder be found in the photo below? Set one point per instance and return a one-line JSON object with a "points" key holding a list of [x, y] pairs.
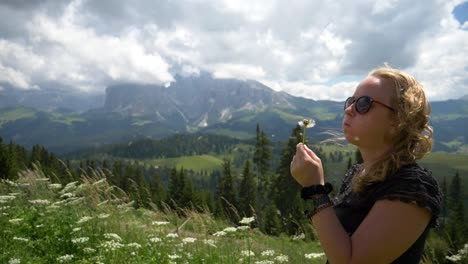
{"points": [[412, 183]]}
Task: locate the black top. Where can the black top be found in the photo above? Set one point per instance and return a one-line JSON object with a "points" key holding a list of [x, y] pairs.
{"points": [[410, 184]]}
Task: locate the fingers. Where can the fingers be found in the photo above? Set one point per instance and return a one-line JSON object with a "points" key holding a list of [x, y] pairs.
{"points": [[303, 150]]}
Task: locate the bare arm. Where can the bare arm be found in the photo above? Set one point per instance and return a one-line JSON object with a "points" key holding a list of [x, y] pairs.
{"points": [[389, 229]]}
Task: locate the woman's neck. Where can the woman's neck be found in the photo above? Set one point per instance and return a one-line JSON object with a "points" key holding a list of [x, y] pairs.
{"points": [[371, 156]]}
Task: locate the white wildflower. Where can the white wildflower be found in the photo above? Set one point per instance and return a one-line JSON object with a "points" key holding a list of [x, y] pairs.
{"points": [[454, 258], [111, 245], [172, 235], [89, 250], [65, 258], [99, 182], [299, 237], [4, 207], [175, 256], [80, 240], [264, 262], [155, 239], [268, 253], [247, 220], [160, 223], [55, 186], [112, 236], [5, 198], [134, 245], [210, 242], [314, 255], [40, 202], [42, 179], [15, 220], [76, 229], [219, 233], [247, 253], [69, 187], [282, 258], [242, 228], [11, 183], [188, 240], [67, 195], [21, 239], [84, 219], [102, 216], [230, 229], [14, 261]]}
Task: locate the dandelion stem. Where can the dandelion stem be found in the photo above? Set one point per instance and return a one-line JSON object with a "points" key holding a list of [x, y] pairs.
{"points": [[303, 135]]}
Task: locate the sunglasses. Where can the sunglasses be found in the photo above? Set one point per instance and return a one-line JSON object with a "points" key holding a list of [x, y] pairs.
{"points": [[363, 104]]}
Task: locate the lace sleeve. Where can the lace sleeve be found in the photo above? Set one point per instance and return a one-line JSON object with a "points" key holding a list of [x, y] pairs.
{"points": [[413, 184], [348, 177]]}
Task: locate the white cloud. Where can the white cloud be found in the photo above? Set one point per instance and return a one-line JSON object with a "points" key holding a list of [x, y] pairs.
{"points": [[299, 46]]}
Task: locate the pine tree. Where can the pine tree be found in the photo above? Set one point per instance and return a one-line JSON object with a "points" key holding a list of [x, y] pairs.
{"points": [[350, 163], [226, 192], [247, 192], [456, 225], [285, 188], [272, 223]]}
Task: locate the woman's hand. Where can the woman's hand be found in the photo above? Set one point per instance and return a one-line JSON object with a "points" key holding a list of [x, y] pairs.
{"points": [[306, 167]]}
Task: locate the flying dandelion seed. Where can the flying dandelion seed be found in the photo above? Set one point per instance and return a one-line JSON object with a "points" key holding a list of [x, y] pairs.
{"points": [[306, 123]]}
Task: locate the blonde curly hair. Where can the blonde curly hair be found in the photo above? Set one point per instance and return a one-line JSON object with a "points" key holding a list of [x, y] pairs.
{"points": [[413, 136]]}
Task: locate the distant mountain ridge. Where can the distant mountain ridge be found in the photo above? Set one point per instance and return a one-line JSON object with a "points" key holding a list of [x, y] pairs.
{"points": [[197, 101], [201, 104]]}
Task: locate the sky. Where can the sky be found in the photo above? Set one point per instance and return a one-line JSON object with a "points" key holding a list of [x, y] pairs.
{"points": [[318, 49]]}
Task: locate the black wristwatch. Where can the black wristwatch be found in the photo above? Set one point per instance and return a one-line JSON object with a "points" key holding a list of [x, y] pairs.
{"points": [[308, 192]]}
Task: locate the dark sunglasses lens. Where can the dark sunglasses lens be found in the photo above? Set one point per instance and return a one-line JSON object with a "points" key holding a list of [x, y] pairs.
{"points": [[363, 104], [348, 102]]}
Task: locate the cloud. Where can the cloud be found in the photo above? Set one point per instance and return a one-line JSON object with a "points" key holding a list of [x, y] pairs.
{"points": [[303, 47]]}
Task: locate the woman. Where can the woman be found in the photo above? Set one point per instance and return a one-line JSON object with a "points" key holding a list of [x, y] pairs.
{"points": [[387, 204]]}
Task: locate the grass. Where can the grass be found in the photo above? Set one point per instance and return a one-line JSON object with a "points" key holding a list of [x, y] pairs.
{"points": [[196, 163], [7, 115], [93, 222]]}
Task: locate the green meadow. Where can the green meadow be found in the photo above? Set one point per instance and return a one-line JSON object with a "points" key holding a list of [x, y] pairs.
{"points": [[91, 221]]}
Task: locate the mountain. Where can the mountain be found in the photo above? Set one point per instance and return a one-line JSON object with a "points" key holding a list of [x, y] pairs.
{"points": [[198, 104], [50, 99], [196, 101]]}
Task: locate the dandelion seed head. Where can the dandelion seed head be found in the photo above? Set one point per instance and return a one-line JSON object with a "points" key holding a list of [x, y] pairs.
{"points": [[307, 123]]}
